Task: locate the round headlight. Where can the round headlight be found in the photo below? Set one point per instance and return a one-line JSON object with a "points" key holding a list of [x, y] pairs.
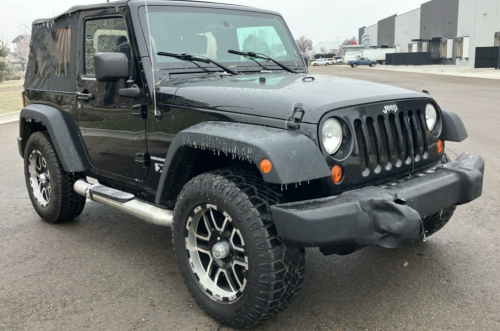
{"points": [[430, 116], [332, 135]]}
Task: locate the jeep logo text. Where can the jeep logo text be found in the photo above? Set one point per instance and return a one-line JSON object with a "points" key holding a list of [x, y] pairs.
{"points": [[389, 108]]}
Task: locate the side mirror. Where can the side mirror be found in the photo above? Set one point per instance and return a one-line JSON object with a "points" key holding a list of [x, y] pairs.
{"points": [[306, 59], [113, 67]]}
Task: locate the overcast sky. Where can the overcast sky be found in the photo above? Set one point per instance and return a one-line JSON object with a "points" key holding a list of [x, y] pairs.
{"points": [[320, 20]]}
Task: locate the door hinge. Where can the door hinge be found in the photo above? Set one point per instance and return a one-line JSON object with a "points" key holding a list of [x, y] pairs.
{"points": [[140, 110], [293, 122], [143, 158]]}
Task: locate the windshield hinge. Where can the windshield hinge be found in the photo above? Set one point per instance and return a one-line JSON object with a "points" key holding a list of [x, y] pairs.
{"points": [[293, 122], [140, 110]]}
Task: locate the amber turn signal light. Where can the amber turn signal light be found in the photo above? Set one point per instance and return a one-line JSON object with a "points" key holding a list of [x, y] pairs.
{"points": [[440, 146], [337, 174], [265, 166]]}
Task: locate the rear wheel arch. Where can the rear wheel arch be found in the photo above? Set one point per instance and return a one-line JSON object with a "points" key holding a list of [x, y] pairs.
{"points": [[26, 129], [63, 131]]}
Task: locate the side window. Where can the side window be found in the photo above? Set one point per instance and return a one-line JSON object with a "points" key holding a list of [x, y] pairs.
{"points": [[105, 35], [54, 52]]}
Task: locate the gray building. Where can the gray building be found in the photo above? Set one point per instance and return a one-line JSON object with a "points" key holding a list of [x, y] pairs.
{"points": [[449, 29], [438, 27], [385, 31]]}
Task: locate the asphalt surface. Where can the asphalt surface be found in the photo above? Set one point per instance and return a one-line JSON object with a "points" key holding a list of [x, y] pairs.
{"points": [[109, 271]]}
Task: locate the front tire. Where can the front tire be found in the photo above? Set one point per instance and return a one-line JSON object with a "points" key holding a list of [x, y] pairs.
{"points": [[354, 65], [372, 64], [50, 188], [227, 249]]}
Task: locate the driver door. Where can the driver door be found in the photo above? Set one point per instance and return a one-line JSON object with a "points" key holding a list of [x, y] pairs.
{"points": [[113, 134]]}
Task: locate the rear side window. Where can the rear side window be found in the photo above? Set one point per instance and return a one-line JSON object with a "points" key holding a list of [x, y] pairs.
{"points": [[54, 51], [105, 35]]}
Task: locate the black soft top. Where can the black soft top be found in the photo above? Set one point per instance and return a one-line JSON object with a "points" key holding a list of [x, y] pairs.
{"points": [[122, 3]]}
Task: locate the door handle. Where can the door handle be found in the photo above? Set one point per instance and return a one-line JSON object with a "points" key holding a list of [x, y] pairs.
{"points": [[84, 96]]}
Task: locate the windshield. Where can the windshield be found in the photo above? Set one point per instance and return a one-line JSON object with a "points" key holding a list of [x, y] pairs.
{"points": [[212, 32]]}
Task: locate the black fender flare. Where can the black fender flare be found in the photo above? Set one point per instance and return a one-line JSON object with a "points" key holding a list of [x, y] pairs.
{"points": [[63, 131], [453, 127], [295, 157]]}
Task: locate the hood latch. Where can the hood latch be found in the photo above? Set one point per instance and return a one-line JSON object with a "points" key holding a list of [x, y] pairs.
{"points": [[293, 122]]}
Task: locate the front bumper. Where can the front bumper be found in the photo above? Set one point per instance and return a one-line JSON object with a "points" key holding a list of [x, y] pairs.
{"points": [[389, 215]]}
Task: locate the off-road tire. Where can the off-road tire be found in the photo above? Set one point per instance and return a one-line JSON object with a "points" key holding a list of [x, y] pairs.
{"points": [[436, 222], [62, 203], [275, 270]]}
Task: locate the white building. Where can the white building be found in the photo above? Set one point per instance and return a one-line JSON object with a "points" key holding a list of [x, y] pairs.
{"points": [[407, 29], [478, 26], [369, 38], [451, 30]]}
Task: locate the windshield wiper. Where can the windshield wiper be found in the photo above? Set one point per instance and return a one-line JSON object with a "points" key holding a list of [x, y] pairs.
{"points": [[198, 58], [261, 56]]}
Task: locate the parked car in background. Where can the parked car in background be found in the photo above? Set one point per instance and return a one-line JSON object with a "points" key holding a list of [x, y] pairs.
{"points": [[349, 56], [322, 62], [362, 61], [377, 54]]}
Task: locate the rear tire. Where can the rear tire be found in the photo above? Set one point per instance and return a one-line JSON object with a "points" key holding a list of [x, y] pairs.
{"points": [[50, 188], [228, 251]]}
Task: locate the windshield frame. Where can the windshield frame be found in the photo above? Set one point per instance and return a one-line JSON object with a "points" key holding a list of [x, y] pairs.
{"points": [[248, 66]]}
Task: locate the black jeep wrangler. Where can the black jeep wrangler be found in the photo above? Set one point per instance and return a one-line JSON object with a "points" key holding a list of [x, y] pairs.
{"points": [[203, 117]]}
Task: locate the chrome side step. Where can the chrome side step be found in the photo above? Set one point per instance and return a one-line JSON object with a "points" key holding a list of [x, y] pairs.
{"points": [[124, 202]]}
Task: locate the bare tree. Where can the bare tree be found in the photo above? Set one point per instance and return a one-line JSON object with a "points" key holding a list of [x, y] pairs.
{"points": [[348, 41], [23, 43], [323, 50], [304, 44]]}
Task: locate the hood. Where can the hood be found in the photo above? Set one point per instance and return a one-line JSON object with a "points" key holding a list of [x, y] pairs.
{"points": [[274, 94]]}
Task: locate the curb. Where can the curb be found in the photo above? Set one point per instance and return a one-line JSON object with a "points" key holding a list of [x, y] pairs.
{"points": [[9, 117]]}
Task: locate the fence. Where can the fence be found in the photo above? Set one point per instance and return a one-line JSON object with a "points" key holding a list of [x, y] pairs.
{"points": [[404, 59], [487, 57]]}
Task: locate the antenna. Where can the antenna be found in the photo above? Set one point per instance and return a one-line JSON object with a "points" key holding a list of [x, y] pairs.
{"points": [[153, 87]]}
